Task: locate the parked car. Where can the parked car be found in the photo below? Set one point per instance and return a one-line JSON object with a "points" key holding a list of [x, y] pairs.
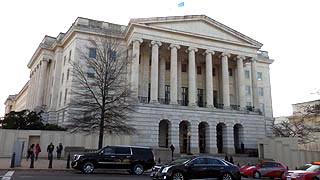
{"points": [[196, 167], [311, 173], [132, 158], [269, 169]]}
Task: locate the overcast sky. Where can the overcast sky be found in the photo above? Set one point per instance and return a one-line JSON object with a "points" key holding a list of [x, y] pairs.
{"points": [[289, 30]]}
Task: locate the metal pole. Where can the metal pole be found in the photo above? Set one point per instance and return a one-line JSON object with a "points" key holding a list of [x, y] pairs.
{"points": [[12, 160], [68, 161], [50, 161]]}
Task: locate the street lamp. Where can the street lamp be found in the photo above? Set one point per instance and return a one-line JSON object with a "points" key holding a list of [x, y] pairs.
{"points": [[189, 142]]}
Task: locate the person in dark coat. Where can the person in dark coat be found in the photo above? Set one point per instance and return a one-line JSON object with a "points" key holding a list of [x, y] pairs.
{"points": [[50, 149], [59, 150], [30, 151]]}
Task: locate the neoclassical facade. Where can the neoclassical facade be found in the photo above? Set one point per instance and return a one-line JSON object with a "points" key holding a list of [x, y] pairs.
{"points": [[200, 85]]}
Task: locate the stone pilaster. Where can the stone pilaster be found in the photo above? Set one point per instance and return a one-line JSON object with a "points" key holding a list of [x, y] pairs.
{"points": [[192, 76], [174, 135], [194, 146], [162, 78], [209, 82], [174, 74], [254, 84], [135, 65], [241, 84], [225, 81], [228, 142], [154, 71], [42, 81]]}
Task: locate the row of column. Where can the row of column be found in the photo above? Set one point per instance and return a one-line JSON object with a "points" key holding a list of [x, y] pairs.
{"points": [[192, 75], [37, 85]]}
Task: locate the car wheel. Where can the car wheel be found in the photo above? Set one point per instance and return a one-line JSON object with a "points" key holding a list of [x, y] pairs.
{"points": [[315, 178], [256, 175], [177, 176], [88, 168], [226, 177], [138, 169]]}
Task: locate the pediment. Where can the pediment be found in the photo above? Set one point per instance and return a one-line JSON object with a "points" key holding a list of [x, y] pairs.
{"points": [[199, 25]]}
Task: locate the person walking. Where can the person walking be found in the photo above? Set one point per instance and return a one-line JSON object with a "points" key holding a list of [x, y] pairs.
{"points": [[30, 151], [50, 149], [59, 150], [38, 150]]}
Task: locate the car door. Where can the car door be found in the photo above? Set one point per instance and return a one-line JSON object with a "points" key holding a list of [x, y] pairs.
{"points": [[197, 168], [215, 168], [265, 169], [106, 158], [123, 157]]}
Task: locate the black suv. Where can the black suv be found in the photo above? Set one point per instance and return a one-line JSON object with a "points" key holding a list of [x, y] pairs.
{"points": [[135, 159]]}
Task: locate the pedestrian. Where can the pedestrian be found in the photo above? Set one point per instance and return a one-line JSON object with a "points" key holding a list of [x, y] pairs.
{"points": [[38, 150], [50, 149], [59, 150], [30, 151]]}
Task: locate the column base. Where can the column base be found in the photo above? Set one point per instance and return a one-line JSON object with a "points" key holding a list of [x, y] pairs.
{"points": [[229, 150], [227, 107], [153, 102], [210, 106], [175, 103], [192, 105]]}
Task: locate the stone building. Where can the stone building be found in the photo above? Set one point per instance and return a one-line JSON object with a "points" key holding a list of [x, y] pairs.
{"points": [[201, 85]]}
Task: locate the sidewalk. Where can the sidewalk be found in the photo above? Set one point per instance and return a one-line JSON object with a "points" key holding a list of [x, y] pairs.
{"points": [[40, 164]]}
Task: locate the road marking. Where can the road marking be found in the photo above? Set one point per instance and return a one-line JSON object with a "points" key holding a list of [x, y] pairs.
{"points": [[8, 175]]}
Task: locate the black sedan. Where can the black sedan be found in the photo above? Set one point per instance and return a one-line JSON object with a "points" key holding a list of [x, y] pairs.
{"points": [[200, 167]]}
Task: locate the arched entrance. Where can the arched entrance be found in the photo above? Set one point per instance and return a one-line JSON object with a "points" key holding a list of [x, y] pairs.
{"points": [[184, 139], [220, 138], [164, 127], [203, 130], [238, 136]]}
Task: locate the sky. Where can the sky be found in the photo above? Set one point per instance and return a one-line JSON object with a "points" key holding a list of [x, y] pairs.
{"points": [[288, 29]]}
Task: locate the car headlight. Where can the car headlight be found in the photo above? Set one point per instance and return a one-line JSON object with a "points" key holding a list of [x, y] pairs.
{"points": [[165, 170], [76, 157]]}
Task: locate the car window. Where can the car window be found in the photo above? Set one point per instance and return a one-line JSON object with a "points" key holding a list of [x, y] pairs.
{"points": [[108, 151], [123, 150], [198, 161], [212, 161], [313, 168], [267, 164]]}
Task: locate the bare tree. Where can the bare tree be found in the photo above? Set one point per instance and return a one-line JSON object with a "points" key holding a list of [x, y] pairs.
{"points": [[302, 124], [101, 97]]}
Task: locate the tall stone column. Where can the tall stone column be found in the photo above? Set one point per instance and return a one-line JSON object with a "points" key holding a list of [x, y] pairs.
{"points": [[209, 82], [154, 71], [174, 74], [192, 76], [42, 81], [135, 65], [179, 81], [241, 92], [162, 78], [225, 81], [254, 84]]}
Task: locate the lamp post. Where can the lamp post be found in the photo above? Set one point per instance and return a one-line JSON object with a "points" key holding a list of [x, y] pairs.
{"points": [[189, 142]]}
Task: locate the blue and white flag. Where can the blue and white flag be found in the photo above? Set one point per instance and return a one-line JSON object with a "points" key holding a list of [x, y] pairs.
{"points": [[181, 4]]}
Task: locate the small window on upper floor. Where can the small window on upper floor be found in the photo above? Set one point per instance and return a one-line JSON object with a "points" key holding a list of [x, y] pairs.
{"points": [[70, 55], [247, 74], [183, 67], [248, 90], [112, 54], [230, 71], [259, 76], [90, 72], [167, 65], [260, 91], [62, 78], [64, 60], [92, 52], [213, 71], [68, 71], [198, 69]]}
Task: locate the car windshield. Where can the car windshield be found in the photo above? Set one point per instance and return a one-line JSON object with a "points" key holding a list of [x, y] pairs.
{"points": [[180, 161], [313, 168]]}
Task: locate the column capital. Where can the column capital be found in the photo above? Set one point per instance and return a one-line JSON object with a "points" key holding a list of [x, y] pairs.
{"points": [[139, 40], [158, 43], [209, 51], [240, 57], [174, 46], [225, 55], [192, 49]]}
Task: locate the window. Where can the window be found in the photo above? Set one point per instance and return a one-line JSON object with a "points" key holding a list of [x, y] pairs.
{"points": [[64, 60], [167, 65], [112, 54], [60, 98], [198, 69], [108, 151], [260, 91], [68, 74], [200, 98], [247, 74], [199, 161], [63, 113], [62, 78], [248, 104], [123, 150], [92, 52], [65, 96], [214, 161], [259, 76], [230, 71], [90, 72], [167, 94], [213, 71], [261, 107], [70, 55], [248, 90], [183, 67]]}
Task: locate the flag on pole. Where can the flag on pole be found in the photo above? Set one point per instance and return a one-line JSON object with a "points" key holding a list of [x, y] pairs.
{"points": [[181, 4]]}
